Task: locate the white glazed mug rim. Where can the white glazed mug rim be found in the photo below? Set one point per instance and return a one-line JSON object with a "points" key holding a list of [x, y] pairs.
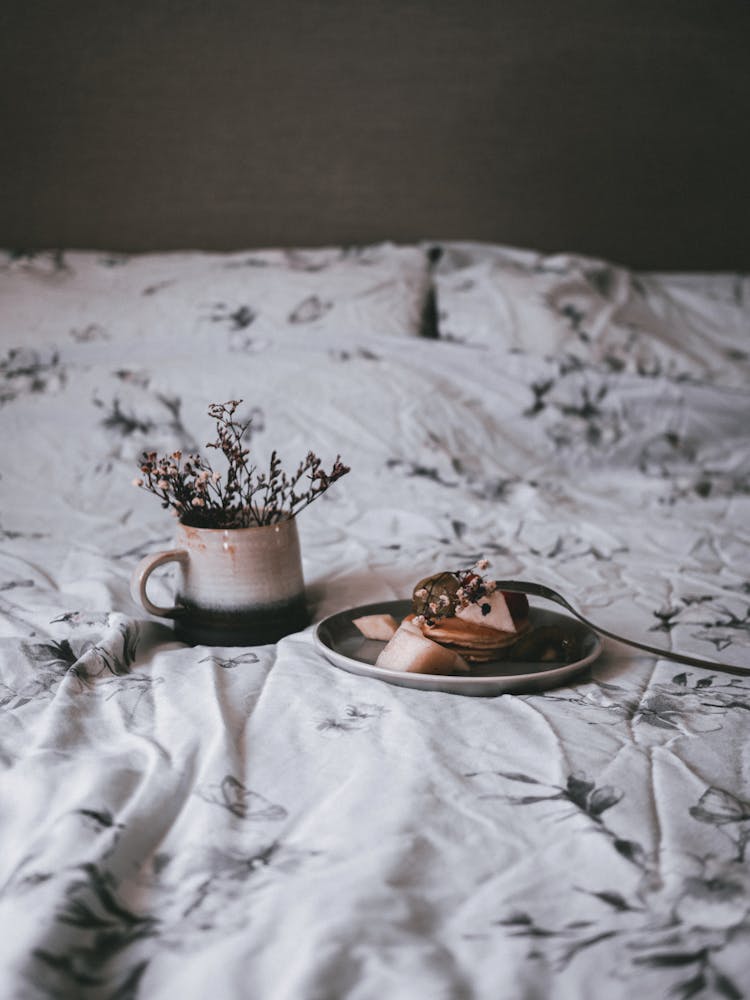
{"points": [[250, 527]]}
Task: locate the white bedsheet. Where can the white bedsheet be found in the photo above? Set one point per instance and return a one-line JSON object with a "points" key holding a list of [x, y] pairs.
{"points": [[192, 822]]}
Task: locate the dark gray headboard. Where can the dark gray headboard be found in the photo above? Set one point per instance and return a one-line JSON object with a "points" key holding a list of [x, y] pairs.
{"points": [[613, 127]]}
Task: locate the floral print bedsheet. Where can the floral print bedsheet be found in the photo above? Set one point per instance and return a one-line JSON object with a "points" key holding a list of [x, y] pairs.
{"points": [[255, 822]]}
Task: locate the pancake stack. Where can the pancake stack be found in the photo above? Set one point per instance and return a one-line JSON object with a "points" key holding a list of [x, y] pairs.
{"points": [[457, 619], [476, 643], [466, 614]]}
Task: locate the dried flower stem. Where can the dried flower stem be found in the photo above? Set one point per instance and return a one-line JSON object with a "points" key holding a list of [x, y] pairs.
{"points": [[242, 497]]}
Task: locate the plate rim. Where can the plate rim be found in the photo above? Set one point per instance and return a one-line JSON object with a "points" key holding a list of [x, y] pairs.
{"points": [[426, 680]]}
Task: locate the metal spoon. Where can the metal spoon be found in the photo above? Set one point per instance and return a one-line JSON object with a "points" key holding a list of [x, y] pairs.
{"points": [[540, 590]]}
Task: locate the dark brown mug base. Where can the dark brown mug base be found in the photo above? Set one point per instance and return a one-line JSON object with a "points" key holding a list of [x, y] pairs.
{"points": [[254, 627]]}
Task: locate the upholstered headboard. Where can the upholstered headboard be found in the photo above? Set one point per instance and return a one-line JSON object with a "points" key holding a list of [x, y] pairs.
{"points": [[617, 129]]}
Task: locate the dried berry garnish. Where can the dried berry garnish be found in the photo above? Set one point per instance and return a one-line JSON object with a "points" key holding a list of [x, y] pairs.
{"points": [[441, 595]]}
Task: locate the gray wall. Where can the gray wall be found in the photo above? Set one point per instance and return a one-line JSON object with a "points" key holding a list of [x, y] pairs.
{"points": [[614, 128]]}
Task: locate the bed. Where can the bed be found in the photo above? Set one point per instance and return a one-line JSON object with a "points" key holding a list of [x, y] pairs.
{"points": [[496, 257], [255, 821]]}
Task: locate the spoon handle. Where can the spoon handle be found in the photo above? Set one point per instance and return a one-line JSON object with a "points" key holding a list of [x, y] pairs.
{"points": [[540, 590]]}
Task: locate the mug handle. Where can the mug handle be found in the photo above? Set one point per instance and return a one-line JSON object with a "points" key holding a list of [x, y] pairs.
{"points": [[143, 571]]}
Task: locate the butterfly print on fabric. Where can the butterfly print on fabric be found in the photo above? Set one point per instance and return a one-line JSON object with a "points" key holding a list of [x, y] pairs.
{"points": [[242, 802]]}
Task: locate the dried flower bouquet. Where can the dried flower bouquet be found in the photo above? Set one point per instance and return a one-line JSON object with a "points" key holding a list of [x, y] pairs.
{"points": [[242, 497]]}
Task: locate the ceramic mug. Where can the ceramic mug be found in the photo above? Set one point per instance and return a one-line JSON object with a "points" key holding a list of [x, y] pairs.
{"points": [[235, 586]]}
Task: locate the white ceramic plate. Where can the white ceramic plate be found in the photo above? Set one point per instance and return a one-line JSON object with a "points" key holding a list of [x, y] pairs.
{"points": [[343, 645]]}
